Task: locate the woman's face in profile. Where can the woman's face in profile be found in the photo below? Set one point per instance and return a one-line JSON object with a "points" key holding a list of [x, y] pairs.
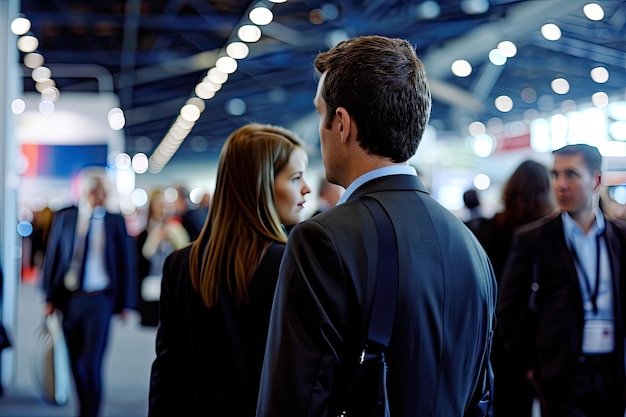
{"points": [[290, 188]]}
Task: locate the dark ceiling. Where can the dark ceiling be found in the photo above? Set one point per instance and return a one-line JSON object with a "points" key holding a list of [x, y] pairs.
{"points": [[156, 52]]}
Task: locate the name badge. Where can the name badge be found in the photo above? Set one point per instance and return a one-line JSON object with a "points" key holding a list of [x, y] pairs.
{"points": [[598, 336]]}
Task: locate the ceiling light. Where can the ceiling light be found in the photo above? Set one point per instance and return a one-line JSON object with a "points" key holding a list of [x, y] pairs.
{"points": [[482, 181], [475, 6], [190, 112], [27, 43], [569, 106], [216, 76], [203, 91], [529, 95], [482, 145], [593, 11], [600, 99], [249, 33], [20, 26], [196, 194], [140, 163], [236, 107], [261, 16], [330, 11], [551, 32], [195, 101], [139, 197], [461, 68], [477, 128], [599, 75], [41, 73], [44, 83], [210, 85], [122, 161], [504, 104], [507, 48], [170, 194], [33, 60], [237, 50], [226, 64], [496, 57], [560, 86], [428, 10], [50, 93], [116, 120], [18, 106], [317, 17]]}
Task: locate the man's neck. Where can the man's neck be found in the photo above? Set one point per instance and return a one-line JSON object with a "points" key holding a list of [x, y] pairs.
{"points": [[585, 219]]}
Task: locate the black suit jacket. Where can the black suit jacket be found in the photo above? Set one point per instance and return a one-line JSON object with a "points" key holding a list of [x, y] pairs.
{"points": [[194, 373], [120, 259], [443, 317], [551, 341]]}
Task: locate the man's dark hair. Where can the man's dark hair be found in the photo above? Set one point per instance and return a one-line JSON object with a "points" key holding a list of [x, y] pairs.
{"points": [[382, 84], [591, 155]]}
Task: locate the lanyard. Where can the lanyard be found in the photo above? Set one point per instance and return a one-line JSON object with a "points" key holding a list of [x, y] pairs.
{"points": [[593, 295]]}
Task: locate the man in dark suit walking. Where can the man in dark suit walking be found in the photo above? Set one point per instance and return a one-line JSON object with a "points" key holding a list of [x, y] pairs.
{"points": [[561, 303], [374, 103], [89, 275]]}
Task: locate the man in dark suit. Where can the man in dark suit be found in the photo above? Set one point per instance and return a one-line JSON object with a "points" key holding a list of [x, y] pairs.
{"points": [[561, 302], [374, 103], [89, 275]]}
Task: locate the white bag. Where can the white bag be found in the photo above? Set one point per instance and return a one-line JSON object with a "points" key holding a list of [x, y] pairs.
{"points": [[51, 362], [151, 288]]}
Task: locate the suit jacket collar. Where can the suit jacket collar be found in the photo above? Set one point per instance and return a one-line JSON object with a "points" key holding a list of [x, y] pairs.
{"points": [[390, 183], [554, 231]]}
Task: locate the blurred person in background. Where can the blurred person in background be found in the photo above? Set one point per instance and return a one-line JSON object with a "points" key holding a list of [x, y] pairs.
{"points": [[472, 204], [89, 274], [561, 306], [527, 196], [163, 234], [194, 219], [217, 292], [328, 195]]}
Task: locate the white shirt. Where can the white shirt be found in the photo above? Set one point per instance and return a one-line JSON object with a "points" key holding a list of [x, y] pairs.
{"points": [[584, 248], [95, 277]]}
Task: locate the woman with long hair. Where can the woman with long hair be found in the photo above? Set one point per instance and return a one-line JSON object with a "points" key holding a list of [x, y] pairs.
{"points": [[527, 196], [217, 293]]}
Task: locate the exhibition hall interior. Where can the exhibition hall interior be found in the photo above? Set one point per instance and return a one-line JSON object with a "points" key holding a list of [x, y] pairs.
{"points": [[150, 90]]}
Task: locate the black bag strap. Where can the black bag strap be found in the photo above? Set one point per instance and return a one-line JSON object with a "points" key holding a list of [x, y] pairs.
{"points": [[236, 343], [386, 290], [483, 397]]}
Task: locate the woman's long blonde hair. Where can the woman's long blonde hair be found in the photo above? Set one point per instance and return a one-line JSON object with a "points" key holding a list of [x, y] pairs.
{"points": [[243, 219]]}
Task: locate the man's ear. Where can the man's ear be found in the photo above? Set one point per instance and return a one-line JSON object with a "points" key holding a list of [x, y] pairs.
{"points": [[598, 180], [345, 123]]}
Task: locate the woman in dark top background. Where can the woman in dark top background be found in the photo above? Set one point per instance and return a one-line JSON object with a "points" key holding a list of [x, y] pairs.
{"points": [[527, 196], [217, 293]]}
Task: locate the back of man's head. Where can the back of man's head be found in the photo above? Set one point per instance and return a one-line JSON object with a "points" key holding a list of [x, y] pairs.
{"points": [[383, 86]]}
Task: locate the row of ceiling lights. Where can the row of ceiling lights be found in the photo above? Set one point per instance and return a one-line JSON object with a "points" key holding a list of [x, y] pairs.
{"points": [[551, 32], [42, 75], [210, 84], [227, 64]]}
